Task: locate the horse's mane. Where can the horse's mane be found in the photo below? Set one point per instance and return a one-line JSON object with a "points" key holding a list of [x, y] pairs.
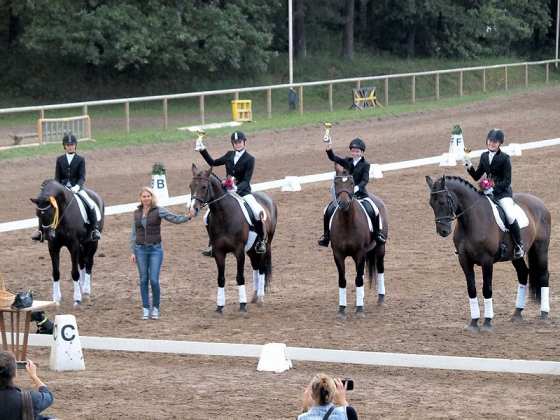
{"points": [[461, 181], [46, 183], [216, 178]]}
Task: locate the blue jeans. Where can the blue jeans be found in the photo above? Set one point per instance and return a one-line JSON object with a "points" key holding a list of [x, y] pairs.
{"points": [[149, 259]]}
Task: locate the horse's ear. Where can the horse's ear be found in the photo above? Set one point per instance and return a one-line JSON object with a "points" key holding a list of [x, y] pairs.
{"points": [[429, 182], [194, 169], [209, 170], [33, 200]]}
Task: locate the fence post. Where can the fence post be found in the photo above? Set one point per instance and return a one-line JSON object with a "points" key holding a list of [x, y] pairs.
{"points": [[201, 106], [331, 108], [413, 89], [505, 78], [164, 114], [526, 75], [301, 100], [269, 103], [484, 80], [437, 86], [461, 83], [127, 117], [386, 91]]}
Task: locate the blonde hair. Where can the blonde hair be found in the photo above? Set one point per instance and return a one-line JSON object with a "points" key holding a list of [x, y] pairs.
{"points": [[149, 190], [323, 388]]}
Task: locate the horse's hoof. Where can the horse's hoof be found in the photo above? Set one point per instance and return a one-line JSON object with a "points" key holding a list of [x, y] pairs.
{"points": [[86, 298], [473, 326], [242, 308], [218, 312], [260, 301], [486, 327], [360, 313], [342, 315], [57, 304], [381, 301], [544, 318], [254, 298], [516, 318], [78, 305]]}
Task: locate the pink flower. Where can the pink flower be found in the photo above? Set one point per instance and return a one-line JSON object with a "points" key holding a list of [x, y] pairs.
{"points": [[485, 184], [229, 183]]}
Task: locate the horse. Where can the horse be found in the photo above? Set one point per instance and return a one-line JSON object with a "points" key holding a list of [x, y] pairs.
{"points": [[480, 240], [351, 236], [230, 232], [60, 216]]}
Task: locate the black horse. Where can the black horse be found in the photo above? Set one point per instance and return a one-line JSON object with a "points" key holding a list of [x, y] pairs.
{"points": [[230, 231], [351, 237], [480, 240], [60, 216]]}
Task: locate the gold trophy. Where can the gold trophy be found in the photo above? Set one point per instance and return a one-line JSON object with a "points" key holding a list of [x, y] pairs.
{"points": [[327, 136], [201, 133], [466, 155]]}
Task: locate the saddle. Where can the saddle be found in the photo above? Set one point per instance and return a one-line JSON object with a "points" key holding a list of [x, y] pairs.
{"points": [[247, 211], [501, 221]]}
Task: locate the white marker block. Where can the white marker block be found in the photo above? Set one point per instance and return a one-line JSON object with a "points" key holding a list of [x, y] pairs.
{"points": [[291, 184], [66, 351], [273, 358]]}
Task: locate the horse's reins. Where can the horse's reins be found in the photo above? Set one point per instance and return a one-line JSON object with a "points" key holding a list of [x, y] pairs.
{"points": [[452, 208], [56, 219], [350, 193], [203, 201]]}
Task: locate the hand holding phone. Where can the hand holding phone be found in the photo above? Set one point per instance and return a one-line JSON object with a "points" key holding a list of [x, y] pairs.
{"points": [[350, 383], [21, 365]]}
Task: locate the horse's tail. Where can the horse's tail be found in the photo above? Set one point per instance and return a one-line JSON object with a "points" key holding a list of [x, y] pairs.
{"points": [[267, 270], [536, 276], [371, 265]]}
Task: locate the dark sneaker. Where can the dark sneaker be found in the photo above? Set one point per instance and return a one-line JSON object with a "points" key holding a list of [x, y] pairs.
{"points": [[519, 251], [37, 236], [323, 241], [95, 235], [207, 252], [260, 248], [381, 240]]}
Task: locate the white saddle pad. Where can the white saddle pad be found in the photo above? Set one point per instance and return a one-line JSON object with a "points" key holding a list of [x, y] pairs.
{"points": [[518, 212]]}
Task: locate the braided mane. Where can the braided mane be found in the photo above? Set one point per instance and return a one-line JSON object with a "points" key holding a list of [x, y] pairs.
{"points": [[461, 180]]}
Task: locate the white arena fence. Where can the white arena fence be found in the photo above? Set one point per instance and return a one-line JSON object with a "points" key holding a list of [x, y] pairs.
{"points": [[309, 354]]}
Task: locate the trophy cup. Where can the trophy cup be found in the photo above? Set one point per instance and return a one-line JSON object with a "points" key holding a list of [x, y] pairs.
{"points": [[466, 155], [327, 136], [201, 133]]}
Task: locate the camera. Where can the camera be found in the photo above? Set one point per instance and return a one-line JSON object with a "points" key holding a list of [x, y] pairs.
{"points": [[21, 365], [350, 383]]}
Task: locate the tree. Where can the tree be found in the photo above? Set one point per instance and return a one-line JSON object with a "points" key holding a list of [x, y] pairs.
{"points": [[348, 32]]}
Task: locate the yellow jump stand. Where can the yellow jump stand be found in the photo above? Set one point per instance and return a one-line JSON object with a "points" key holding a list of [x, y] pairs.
{"points": [[241, 111]]}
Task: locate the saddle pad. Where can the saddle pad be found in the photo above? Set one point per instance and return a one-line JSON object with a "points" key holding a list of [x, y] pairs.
{"points": [[243, 209], [518, 212], [83, 210], [375, 210]]}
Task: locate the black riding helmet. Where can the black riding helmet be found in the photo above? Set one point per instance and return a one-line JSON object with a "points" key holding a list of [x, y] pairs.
{"points": [[237, 136], [69, 139], [496, 134], [358, 143]]}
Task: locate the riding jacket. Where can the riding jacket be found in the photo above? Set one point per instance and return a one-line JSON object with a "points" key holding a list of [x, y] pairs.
{"points": [[361, 171], [242, 171], [73, 173], [499, 171]]}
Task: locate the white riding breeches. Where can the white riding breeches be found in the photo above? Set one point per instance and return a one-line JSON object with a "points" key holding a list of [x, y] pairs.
{"points": [[90, 203], [507, 204], [255, 206]]}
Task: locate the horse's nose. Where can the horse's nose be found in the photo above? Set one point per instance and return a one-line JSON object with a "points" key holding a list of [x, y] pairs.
{"points": [[344, 205]]}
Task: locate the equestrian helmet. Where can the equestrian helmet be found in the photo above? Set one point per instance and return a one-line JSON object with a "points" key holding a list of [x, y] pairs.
{"points": [[496, 134], [69, 139], [358, 143], [237, 136]]}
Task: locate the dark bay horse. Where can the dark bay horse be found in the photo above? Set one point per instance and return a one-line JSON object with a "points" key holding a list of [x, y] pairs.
{"points": [[60, 216], [230, 231], [351, 237], [479, 240]]}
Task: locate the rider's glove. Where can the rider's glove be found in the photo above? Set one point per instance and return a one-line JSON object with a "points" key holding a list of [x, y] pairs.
{"points": [[75, 188], [327, 139], [467, 162], [199, 146], [356, 188], [489, 191]]}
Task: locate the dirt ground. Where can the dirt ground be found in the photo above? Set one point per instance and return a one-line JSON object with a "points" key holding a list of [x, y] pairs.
{"points": [[427, 311]]}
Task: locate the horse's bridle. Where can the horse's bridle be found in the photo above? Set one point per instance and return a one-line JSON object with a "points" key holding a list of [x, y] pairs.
{"points": [[204, 201], [452, 207], [56, 218], [344, 190]]}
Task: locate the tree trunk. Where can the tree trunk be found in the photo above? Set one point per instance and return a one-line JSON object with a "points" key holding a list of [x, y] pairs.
{"points": [[411, 41], [300, 42], [348, 32], [14, 27]]}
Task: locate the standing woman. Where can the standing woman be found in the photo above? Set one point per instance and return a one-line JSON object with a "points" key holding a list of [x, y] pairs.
{"points": [[146, 248]]}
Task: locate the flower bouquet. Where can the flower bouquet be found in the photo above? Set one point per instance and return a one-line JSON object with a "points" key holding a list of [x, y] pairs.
{"points": [[485, 184], [457, 129], [159, 169], [229, 183]]}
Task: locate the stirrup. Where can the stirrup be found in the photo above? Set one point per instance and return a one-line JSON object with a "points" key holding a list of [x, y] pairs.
{"points": [[260, 247], [381, 240], [37, 236], [95, 235], [323, 241], [207, 252], [519, 251]]}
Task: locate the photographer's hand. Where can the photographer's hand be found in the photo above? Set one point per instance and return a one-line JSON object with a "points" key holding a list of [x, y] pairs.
{"points": [[307, 398], [31, 369], [340, 393]]}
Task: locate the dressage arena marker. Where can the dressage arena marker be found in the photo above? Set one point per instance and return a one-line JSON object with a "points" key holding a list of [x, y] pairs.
{"points": [[514, 148], [66, 350], [532, 367]]}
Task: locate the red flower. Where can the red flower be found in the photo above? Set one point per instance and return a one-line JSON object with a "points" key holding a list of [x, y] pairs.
{"points": [[229, 183], [485, 184]]}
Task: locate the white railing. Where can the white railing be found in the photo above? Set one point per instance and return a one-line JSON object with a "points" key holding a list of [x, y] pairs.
{"points": [[384, 79]]}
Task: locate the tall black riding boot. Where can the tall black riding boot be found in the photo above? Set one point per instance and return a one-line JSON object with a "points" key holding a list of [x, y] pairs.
{"points": [[95, 234], [325, 239], [38, 236], [519, 251], [260, 246], [380, 238]]}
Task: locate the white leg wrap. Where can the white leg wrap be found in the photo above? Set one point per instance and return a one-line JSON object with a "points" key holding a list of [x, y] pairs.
{"points": [[221, 300], [86, 285], [475, 310], [488, 309], [360, 296], [82, 276], [260, 290], [255, 280], [242, 294], [381, 283], [342, 296], [205, 217], [77, 292], [545, 304], [56, 291], [521, 296]]}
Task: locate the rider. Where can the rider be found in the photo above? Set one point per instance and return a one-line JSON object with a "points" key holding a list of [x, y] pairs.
{"points": [[239, 165], [70, 171], [361, 178], [497, 166]]}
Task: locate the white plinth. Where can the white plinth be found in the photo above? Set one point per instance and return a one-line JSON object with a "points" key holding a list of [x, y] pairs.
{"points": [[291, 184], [159, 185], [66, 351], [273, 358]]}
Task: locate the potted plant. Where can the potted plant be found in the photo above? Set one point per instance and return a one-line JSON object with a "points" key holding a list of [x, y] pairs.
{"points": [[159, 169]]}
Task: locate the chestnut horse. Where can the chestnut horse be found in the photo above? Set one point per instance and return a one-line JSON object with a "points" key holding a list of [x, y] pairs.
{"points": [[480, 240], [351, 236], [230, 231]]}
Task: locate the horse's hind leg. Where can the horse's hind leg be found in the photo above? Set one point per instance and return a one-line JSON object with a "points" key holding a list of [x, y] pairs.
{"points": [[240, 278], [522, 275], [380, 263]]}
